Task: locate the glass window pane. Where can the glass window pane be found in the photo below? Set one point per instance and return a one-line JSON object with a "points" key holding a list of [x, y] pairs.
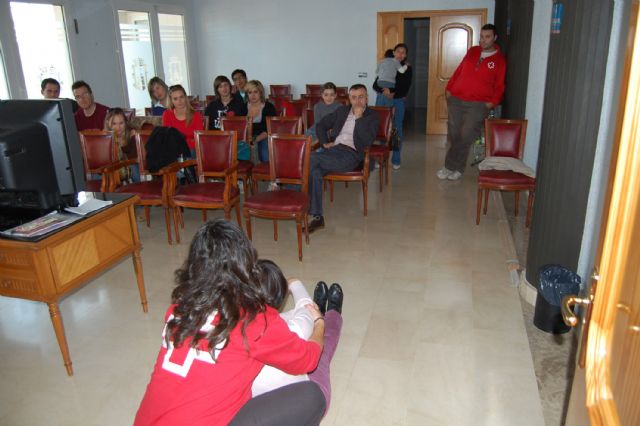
{"points": [[4, 88], [174, 50], [137, 52], [43, 47]]}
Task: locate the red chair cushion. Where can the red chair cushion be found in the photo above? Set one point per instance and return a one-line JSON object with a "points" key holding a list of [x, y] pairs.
{"points": [[148, 190], [504, 177], [285, 200], [94, 185], [261, 169], [207, 192], [244, 166]]}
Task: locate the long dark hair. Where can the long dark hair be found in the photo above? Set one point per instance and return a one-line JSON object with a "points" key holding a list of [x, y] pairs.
{"points": [[220, 274], [273, 283]]}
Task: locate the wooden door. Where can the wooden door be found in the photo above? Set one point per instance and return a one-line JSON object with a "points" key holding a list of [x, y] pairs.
{"points": [[390, 31], [608, 388], [450, 36]]}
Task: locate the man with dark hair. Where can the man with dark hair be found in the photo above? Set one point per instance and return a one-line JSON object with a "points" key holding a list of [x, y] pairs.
{"points": [[474, 89], [91, 114], [50, 88], [239, 78], [344, 135]]}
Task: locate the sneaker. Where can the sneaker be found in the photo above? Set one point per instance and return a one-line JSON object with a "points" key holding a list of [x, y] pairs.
{"points": [[454, 175], [396, 166], [443, 173], [316, 223]]}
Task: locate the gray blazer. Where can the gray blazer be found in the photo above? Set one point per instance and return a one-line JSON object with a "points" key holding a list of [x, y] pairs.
{"points": [[364, 132]]}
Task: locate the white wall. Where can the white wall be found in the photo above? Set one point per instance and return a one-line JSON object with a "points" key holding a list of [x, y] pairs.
{"points": [[298, 41], [94, 49]]}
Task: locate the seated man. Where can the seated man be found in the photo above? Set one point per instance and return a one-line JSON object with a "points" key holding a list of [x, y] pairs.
{"points": [[344, 134], [50, 89], [91, 114]]}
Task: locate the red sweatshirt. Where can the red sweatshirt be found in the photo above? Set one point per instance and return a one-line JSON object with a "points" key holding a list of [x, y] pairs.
{"points": [[188, 387], [475, 81], [169, 119]]}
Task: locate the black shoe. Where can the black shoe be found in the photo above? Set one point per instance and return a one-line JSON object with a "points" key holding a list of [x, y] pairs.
{"points": [[334, 303], [316, 223], [320, 296]]}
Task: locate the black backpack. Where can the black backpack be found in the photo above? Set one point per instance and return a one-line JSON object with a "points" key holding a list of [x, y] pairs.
{"points": [[165, 146]]}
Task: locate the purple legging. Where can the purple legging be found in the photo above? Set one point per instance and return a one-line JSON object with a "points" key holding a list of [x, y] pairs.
{"points": [[322, 374]]}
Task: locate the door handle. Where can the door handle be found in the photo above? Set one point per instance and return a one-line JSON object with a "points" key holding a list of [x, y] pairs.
{"points": [[568, 302]]}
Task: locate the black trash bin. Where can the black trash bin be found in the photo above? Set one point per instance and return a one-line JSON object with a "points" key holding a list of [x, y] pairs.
{"points": [[556, 282]]}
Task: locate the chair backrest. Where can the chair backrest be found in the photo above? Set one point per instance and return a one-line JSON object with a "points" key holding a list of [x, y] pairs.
{"points": [[289, 159], [342, 91], [142, 137], [294, 108], [216, 151], [309, 118], [311, 100], [385, 124], [505, 138], [343, 99], [209, 98], [284, 125], [147, 111], [280, 89], [147, 125], [98, 150], [313, 89], [205, 121], [238, 124]]}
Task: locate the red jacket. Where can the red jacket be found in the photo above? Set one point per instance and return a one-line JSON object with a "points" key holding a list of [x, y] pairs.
{"points": [[475, 81]]}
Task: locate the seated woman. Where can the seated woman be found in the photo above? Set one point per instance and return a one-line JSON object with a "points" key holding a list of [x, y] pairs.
{"points": [[218, 335], [258, 109], [159, 93], [227, 104], [182, 116], [124, 136], [273, 388]]}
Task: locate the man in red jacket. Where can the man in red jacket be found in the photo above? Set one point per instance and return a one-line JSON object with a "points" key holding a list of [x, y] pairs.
{"points": [[474, 89]]}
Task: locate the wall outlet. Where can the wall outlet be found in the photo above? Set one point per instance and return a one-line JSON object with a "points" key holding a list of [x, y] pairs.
{"points": [[362, 75]]}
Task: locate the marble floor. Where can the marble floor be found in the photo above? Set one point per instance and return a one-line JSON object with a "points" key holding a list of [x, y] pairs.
{"points": [[433, 329]]}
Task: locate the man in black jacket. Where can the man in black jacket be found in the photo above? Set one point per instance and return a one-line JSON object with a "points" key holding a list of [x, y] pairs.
{"points": [[344, 135]]}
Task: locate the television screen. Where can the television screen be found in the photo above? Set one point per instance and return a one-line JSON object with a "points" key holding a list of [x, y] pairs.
{"points": [[40, 158]]}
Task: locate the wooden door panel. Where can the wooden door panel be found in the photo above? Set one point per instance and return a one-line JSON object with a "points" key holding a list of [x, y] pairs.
{"points": [[449, 39], [390, 31]]}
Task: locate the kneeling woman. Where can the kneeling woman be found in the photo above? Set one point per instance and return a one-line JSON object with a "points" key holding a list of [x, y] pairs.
{"points": [[219, 333]]}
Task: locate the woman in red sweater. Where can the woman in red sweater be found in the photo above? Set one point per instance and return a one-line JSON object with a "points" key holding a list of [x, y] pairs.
{"points": [[219, 333], [181, 115]]}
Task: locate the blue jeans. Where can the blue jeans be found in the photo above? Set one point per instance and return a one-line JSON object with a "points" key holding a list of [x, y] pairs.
{"points": [[263, 151], [399, 105], [382, 100]]}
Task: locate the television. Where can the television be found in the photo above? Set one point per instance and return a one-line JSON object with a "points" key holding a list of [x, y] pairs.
{"points": [[41, 167]]}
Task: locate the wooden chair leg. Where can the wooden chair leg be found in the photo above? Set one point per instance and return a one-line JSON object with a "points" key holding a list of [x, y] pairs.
{"points": [[517, 200], [275, 230], [331, 191], [305, 219], [365, 195], [529, 208], [147, 215], [176, 212], [167, 221], [486, 200], [247, 219], [238, 217], [299, 231], [181, 217], [479, 206], [227, 214]]}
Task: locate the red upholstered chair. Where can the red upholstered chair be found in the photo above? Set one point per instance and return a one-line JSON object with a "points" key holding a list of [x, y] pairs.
{"points": [[147, 111], [342, 91], [209, 98], [313, 89], [294, 108], [289, 164], [280, 90], [308, 118], [216, 154], [505, 138], [242, 127], [359, 174], [278, 102], [98, 152], [129, 113], [154, 188], [380, 152], [280, 126], [344, 100], [311, 100]]}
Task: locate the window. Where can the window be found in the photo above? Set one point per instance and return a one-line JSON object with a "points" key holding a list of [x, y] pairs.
{"points": [[42, 43], [4, 89], [173, 47], [137, 52]]}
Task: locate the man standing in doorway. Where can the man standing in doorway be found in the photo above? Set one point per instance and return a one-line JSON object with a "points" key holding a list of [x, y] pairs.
{"points": [[474, 89]]}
